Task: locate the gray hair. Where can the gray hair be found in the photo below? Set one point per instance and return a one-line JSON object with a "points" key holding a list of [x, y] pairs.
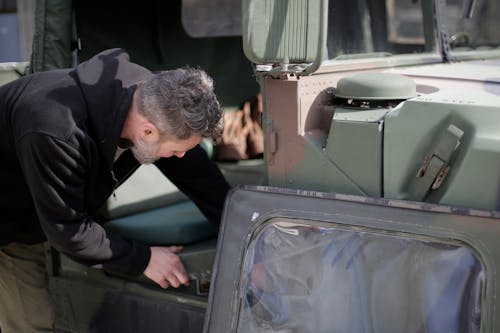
{"points": [[181, 103]]}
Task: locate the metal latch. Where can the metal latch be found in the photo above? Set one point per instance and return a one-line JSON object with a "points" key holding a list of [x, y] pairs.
{"points": [[436, 165], [202, 282]]}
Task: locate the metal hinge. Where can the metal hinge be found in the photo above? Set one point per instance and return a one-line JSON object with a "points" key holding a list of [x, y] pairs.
{"points": [[431, 174], [272, 142]]}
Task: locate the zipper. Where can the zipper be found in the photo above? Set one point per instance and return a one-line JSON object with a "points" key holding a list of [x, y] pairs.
{"points": [[115, 185]]}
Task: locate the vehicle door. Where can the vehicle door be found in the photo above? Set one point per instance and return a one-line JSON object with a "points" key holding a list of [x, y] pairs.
{"points": [[304, 261]]}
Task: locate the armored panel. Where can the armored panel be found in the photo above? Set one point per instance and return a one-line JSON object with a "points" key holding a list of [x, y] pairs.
{"points": [[361, 158], [415, 138], [315, 145]]}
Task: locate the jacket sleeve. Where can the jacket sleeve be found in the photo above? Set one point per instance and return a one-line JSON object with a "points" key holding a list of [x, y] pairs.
{"points": [[200, 179], [55, 172]]}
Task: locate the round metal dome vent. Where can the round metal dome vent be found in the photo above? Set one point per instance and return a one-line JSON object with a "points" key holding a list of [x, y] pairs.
{"points": [[376, 86]]}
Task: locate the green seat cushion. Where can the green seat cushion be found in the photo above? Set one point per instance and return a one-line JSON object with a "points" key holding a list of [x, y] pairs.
{"points": [[177, 224]]}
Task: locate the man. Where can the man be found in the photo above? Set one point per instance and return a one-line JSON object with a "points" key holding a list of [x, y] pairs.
{"points": [[68, 138]]}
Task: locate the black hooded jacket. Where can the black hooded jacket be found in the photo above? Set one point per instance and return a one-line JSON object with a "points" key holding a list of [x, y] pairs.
{"points": [[59, 131]]}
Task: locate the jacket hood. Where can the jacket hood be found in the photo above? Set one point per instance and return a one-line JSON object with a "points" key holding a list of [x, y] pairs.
{"points": [[108, 81]]}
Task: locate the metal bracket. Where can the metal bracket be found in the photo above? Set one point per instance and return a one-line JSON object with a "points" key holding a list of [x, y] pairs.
{"points": [[202, 282]]}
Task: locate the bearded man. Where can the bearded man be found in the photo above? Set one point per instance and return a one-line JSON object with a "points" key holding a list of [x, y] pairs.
{"points": [[69, 137]]}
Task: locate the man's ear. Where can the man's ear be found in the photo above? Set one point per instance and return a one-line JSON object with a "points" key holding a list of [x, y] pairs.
{"points": [[149, 132]]}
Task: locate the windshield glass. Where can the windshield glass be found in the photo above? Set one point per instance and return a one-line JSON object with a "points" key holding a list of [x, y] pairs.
{"points": [[473, 24], [384, 27], [211, 18]]}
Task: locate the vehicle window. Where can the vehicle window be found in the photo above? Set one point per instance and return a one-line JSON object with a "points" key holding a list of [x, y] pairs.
{"points": [[9, 32], [473, 24], [301, 276], [16, 29], [388, 27], [211, 18]]}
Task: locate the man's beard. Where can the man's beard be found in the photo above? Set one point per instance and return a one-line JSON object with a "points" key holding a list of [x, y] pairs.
{"points": [[144, 152]]}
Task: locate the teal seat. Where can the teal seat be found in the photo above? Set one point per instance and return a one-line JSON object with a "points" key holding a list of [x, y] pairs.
{"points": [[178, 224]]}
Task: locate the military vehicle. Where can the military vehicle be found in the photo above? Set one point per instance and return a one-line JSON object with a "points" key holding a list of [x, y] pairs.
{"points": [[375, 205]]}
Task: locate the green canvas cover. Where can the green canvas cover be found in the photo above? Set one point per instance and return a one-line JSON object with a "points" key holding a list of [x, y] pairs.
{"points": [[53, 35]]}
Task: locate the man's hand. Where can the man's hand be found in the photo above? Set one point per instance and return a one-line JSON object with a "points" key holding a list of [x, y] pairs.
{"points": [[166, 268]]}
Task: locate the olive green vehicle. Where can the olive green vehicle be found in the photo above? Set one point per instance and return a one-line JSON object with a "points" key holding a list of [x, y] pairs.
{"points": [[375, 207]]}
